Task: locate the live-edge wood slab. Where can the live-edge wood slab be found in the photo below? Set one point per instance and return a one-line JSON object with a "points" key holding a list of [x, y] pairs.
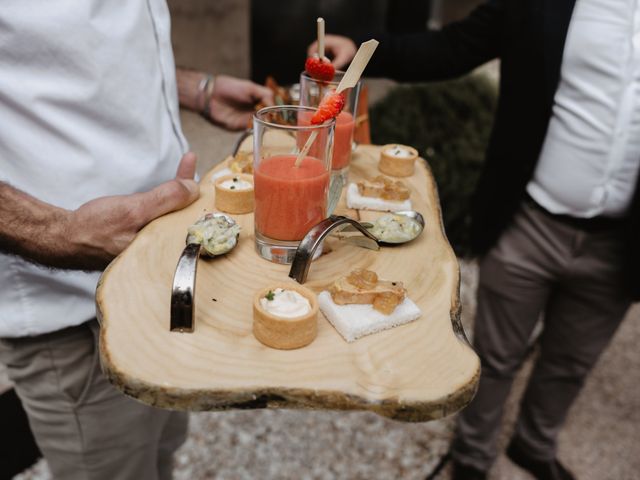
{"points": [[421, 371]]}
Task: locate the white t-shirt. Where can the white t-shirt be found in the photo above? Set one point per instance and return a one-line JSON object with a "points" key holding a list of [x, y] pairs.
{"points": [[88, 107]]}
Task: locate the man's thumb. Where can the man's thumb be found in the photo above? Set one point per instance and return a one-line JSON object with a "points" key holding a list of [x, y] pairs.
{"points": [[172, 195], [185, 174], [187, 166]]}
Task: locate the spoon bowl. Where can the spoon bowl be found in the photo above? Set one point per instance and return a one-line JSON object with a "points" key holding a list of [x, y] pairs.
{"points": [[390, 242], [203, 231], [415, 217]]}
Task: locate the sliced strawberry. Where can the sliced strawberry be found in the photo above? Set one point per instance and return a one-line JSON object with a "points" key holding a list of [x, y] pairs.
{"points": [[320, 68], [330, 107]]}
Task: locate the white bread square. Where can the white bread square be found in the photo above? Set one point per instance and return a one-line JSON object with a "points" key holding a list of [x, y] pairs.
{"points": [[354, 321], [360, 202]]}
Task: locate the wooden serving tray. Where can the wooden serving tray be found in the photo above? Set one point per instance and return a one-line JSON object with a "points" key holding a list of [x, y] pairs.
{"points": [[417, 372]]}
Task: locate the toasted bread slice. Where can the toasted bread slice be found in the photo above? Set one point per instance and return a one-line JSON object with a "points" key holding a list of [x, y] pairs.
{"points": [[242, 163], [385, 188], [385, 296]]}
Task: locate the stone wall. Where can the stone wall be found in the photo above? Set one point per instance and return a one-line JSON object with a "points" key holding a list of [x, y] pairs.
{"points": [[211, 35]]}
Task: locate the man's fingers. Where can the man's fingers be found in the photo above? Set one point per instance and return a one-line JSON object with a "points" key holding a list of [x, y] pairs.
{"points": [[187, 167], [313, 48], [239, 121], [342, 49], [262, 94], [165, 198], [341, 58], [337, 47], [186, 174]]}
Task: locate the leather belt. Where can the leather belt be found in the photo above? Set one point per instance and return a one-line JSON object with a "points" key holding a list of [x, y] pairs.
{"points": [[591, 225]]}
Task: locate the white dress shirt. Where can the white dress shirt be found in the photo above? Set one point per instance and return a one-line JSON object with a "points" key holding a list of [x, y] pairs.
{"points": [[88, 107], [590, 158]]}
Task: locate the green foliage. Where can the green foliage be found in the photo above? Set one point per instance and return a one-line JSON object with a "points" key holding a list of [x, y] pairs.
{"points": [[449, 124]]}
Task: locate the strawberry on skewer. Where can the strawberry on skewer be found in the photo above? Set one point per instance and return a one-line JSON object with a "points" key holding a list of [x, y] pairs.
{"points": [[333, 102], [330, 107], [320, 68]]}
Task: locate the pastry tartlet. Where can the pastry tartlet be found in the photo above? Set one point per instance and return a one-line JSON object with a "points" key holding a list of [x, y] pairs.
{"points": [[397, 160], [234, 193], [285, 332]]}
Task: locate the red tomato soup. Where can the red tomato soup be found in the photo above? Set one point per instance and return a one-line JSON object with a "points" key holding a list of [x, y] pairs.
{"points": [[342, 141], [289, 199], [342, 137]]}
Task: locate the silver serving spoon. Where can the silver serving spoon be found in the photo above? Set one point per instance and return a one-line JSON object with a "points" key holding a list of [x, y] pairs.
{"points": [[184, 280], [412, 214]]}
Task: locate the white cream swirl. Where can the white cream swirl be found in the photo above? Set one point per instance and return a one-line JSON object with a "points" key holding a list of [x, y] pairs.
{"points": [[285, 303], [236, 183], [399, 152]]}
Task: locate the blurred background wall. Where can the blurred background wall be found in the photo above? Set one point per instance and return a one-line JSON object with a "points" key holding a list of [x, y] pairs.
{"points": [[211, 35]]}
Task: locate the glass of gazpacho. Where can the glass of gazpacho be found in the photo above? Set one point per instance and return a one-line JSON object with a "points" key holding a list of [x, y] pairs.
{"points": [[290, 192], [311, 92]]}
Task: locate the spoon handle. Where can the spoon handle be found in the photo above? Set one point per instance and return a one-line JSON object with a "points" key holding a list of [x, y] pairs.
{"points": [[351, 228], [335, 191], [183, 292], [243, 136], [315, 236]]}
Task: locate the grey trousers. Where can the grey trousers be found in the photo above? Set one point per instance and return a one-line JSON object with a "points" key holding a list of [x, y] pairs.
{"points": [[540, 268], [86, 429]]}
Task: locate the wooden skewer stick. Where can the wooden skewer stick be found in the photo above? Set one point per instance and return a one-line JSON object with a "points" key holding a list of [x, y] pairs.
{"points": [[305, 148], [349, 80], [320, 37], [357, 66]]}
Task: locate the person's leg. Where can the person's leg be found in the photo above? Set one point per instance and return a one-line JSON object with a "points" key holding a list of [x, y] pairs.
{"points": [[172, 430], [515, 279], [18, 449], [173, 435], [85, 428], [582, 316]]}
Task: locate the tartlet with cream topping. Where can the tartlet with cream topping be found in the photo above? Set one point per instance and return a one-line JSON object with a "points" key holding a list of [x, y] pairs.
{"points": [[285, 316], [398, 160], [234, 193]]}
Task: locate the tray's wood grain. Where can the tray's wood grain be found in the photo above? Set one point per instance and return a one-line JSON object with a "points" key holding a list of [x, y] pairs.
{"points": [[417, 372]]}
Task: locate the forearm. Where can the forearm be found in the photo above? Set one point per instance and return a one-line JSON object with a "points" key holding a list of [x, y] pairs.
{"points": [[440, 54], [92, 235], [39, 232], [191, 89]]}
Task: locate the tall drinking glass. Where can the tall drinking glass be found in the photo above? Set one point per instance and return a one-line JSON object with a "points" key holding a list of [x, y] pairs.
{"points": [[311, 92], [289, 198]]}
